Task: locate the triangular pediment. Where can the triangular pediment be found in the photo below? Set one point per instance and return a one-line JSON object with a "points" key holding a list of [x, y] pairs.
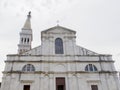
{"points": [[58, 29]]}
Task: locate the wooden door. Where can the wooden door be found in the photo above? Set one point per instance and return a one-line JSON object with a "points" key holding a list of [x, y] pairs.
{"points": [[60, 83], [94, 87], [26, 87]]}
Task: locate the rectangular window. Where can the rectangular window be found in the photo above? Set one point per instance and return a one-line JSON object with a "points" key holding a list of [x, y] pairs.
{"points": [[94, 87], [26, 87]]}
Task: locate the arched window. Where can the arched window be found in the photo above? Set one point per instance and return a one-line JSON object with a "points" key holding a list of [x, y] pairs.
{"points": [[22, 40], [25, 40], [90, 67], [28, 40], [28, 68], [58, 46]]}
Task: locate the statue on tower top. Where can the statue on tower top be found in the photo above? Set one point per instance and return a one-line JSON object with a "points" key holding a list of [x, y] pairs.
{"points": [[29, 14]]}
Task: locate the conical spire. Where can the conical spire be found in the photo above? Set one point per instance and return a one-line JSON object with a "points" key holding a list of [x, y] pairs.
{"points": [[27, 25]]}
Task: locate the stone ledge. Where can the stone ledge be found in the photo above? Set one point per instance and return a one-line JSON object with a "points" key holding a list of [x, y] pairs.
{"points": [[45, 61], [52, 72]]}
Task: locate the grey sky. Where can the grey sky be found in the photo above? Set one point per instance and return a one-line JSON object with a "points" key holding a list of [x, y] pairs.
{"points": [[97, 23]]}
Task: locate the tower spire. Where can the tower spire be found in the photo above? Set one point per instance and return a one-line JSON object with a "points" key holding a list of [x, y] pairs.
{"points": [[27, 24], [25, 36]]}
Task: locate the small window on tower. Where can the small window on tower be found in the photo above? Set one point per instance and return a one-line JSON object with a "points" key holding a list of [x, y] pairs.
{"points": [[25, 40], [28, 40], [21, 39]]}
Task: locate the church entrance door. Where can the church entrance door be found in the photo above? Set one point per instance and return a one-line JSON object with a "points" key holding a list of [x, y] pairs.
{"points": [[60, 83], [26, 87]]}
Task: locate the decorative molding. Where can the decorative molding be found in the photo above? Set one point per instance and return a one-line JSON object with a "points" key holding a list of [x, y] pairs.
{"points": [[26, 81], [46, 61], [68, 72]]}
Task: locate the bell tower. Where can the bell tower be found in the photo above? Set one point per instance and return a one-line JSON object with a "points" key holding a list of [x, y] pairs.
{"points": [[25, 36]]}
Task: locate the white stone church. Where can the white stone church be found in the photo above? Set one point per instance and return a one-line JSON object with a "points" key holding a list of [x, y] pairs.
{"points": [[57, 64]]}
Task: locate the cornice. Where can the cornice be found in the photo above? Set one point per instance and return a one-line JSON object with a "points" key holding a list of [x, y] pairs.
{"points": [[68, 72], [47, 61]]}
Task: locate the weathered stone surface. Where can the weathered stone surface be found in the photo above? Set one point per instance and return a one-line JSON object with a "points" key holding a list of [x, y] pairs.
{"points": [[69, 65]]}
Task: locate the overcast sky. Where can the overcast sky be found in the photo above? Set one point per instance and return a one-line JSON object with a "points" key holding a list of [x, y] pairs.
{"points": [[97, 23]]}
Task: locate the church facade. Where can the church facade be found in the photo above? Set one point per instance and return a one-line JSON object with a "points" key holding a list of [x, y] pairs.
{"points": [[57, 64]]}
